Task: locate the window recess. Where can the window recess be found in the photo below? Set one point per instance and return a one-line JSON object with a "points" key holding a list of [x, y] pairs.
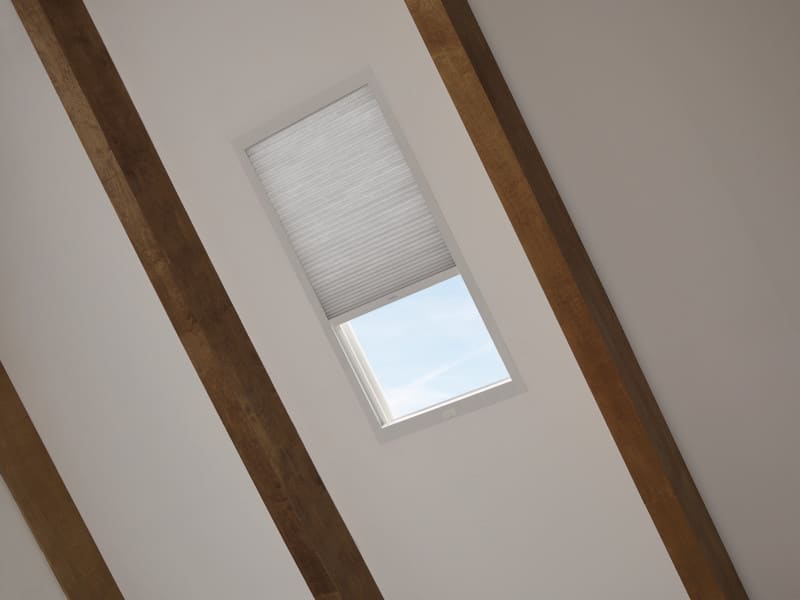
{"points": [[369, 246]]}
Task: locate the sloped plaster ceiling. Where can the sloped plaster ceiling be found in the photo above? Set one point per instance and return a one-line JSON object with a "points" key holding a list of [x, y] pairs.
{"points": [[672, 130], [24, 572], [523, 499], [104, 377]]}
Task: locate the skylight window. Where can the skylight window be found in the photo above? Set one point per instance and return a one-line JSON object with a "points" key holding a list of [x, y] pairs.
{"points": [[368, 245], [424, 350]]}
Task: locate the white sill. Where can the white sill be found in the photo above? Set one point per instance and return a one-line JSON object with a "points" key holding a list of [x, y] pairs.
{"points": [[449, 409]]}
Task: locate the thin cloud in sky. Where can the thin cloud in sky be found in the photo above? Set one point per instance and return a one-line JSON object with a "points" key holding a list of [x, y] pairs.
{"points": [[423, 391], [429, 347]]}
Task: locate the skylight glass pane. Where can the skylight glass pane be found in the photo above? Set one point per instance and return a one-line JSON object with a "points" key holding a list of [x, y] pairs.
{"points": [[428, 348]]}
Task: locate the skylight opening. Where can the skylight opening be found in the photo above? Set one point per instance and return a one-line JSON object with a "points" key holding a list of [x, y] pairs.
{"points": [[350, 207], [423, 351]]}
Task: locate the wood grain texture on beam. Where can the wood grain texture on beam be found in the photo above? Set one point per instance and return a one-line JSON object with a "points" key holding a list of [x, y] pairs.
{"points": [[46, 505], [194, 298], [554, 249]]}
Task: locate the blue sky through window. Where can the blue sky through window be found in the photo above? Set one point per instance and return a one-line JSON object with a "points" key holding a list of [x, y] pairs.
{"points": [[429, 347]]}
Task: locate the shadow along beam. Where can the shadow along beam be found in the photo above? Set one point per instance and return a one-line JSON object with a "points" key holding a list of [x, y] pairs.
{"points": [[539, 217], [192, 294]]}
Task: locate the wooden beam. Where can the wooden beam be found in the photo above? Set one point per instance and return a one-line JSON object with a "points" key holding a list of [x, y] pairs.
{"points": [[554, 249], [215, 340], [46, 504]]}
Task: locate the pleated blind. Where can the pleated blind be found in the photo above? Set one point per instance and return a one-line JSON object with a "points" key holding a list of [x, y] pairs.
{"points": [[349, 204]]}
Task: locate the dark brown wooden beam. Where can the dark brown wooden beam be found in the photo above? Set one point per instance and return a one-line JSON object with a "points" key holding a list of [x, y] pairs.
{"points": [[46, 504], [215, 340], [554, 249]]}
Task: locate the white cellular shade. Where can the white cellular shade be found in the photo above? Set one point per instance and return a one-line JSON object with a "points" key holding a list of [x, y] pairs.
{"points": [[349, 204]]}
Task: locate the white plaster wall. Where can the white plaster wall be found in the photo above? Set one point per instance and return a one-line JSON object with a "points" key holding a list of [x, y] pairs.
{"points": [[524, 499], [672, 129], [104, 377], [24, 572]]}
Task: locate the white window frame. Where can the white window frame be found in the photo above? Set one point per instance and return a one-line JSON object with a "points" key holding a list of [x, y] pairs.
{"points": [[340, 335]]}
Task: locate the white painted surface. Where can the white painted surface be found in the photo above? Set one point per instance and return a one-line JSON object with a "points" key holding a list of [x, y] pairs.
{"points": [[104, 377], [24, 572], [672, 130], [511, 501]]}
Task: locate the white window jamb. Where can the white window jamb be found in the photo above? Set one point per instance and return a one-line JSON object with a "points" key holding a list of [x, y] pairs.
{"points": [[341, 335]]}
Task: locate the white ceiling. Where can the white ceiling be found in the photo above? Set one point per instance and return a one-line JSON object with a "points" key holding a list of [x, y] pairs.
{"points": [[672, 130], [104, 377], [24, 572], [527, 498]]}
